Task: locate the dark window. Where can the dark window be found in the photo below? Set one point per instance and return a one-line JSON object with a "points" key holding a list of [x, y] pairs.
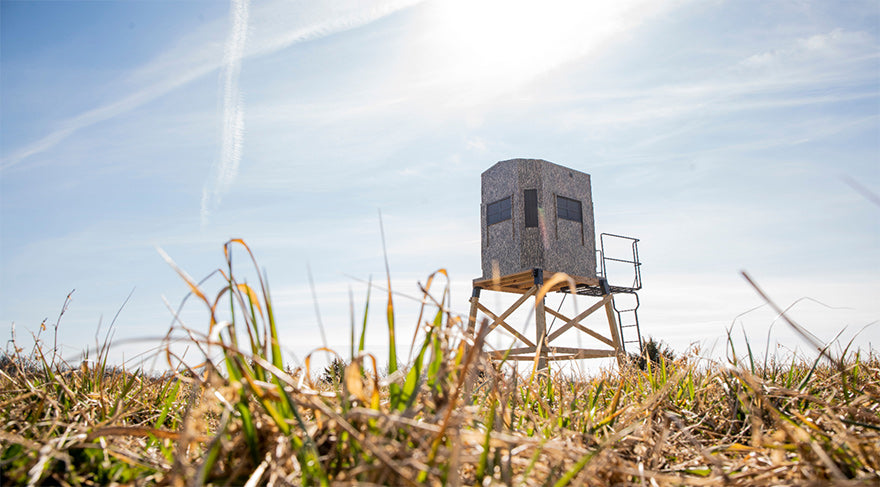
{"points": [[498, 211], [568, 209], [530, 196]]}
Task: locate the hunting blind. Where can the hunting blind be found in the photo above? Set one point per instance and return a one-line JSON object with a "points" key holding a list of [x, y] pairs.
{"points": [[537, 214], [538, 236]]}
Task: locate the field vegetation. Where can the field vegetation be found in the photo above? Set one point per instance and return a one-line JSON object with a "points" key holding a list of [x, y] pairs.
{"points": [[448, 418]]}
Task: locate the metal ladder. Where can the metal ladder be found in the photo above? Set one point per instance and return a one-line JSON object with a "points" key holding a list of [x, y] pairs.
{"points": [[628, 321], [627, 318]]}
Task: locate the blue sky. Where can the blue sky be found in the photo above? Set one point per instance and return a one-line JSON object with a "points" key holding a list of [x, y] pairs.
{"points": [[725, 135]]}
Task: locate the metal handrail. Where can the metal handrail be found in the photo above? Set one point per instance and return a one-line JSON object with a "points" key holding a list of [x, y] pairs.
{"points": [[637, 273]]}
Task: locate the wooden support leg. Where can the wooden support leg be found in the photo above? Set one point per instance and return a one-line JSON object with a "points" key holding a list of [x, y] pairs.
{"points": [[541, 333], [471, 333], [540, 321], [615, 331], [471, 328], [472, 316]]}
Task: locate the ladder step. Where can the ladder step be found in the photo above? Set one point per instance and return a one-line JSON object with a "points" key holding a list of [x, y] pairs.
{"points": [[629, 320]]}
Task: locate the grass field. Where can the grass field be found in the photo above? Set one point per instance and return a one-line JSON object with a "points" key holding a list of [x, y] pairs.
{"points": [[448, 418]]}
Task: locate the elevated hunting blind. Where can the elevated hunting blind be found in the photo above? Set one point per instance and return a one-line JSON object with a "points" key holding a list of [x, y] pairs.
{"points": [[538, 237], [536, 214]]}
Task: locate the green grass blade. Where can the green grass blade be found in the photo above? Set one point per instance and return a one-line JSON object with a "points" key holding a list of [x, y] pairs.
{"points": [[366, 313], [533, 461], [749, 351], [483, 464], [434, 379], [407, 395], [168, 402], [250, 432], [389, 309], [809, 375], [213, 451], [575, 470], [277, 359]]}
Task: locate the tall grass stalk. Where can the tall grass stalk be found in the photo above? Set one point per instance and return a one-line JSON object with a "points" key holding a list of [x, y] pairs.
{"points": [[243, 416]]}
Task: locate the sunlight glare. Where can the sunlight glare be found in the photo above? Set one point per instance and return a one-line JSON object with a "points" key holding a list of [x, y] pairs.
{"points": [[501, 44]]}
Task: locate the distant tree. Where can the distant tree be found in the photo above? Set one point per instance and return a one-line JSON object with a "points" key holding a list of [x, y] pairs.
{"points": [[655, 351], [334, 372]]}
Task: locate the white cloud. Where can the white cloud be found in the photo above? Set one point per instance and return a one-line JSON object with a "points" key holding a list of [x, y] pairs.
{"points": [[476, 144], [838, 43], [88, 118], [196, 56], [233, 113]]}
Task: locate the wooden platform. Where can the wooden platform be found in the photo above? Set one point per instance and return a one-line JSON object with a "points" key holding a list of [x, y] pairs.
{"points": [[521, 282], [534, 284]]}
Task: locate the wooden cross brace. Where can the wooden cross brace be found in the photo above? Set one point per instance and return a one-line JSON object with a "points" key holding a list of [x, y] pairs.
{"points": [[542, 346]]}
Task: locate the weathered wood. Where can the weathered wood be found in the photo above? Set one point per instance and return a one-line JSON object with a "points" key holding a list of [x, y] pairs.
{"points": [[595, 335], [497, 320], [472, 316], [582, 328], [593, 352], [541, 332], [556, 353], [516, 351], [522, 281], [577, 319], [517, 358], [615, 334], [526, 284], [584, 354], [504, 325]]}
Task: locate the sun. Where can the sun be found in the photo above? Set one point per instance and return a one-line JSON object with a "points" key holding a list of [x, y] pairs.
{"points": [[499, 44]]}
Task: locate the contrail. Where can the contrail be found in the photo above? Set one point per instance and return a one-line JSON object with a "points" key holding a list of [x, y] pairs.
{"points": [[106, 112], [233, 113], [197, 69]]}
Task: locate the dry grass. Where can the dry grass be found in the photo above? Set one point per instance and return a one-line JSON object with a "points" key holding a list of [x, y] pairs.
{"points": [[249, 420]]}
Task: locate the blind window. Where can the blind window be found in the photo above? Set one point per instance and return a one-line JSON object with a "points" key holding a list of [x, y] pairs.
{"points": [[568, 209], [530, 197], [498, 211]]}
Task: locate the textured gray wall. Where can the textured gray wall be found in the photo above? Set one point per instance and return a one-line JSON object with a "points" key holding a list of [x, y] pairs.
{"points": [[555, 245]]}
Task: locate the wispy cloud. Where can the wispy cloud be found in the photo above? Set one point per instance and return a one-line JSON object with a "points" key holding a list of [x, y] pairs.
{"points": [[838, 44], [195, 58], [106, 112], [225, 170], [831, 68]]}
